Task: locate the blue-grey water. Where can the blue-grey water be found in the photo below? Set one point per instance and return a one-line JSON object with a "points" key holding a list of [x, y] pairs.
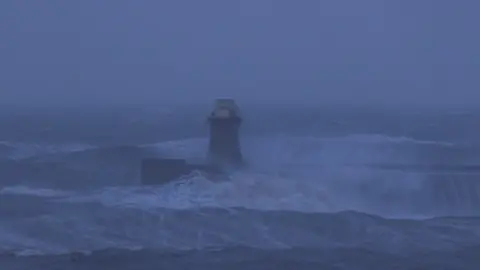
{"points": [[70, 196]]}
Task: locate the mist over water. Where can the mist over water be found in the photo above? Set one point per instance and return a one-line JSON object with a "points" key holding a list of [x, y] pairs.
{"points": [[350, 53]]}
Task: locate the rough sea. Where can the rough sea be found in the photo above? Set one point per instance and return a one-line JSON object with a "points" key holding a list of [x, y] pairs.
{"points": [[310, 198]]}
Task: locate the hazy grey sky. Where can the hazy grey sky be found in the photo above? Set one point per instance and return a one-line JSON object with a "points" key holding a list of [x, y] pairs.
{"points": [[345, 51]]}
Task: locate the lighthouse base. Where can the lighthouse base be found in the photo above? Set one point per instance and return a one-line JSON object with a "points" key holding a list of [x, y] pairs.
{"points": [[159, 171]]}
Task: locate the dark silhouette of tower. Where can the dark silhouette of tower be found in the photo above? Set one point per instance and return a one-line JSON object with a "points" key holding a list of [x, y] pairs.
{"points": [[223, 149], [224, 144]]}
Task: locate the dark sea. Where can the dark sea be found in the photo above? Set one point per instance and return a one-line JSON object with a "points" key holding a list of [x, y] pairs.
{"points": [[313, 196]]}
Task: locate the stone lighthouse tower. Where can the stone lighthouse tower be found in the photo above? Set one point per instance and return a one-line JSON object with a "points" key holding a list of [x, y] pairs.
{"points": [[224, 144]]}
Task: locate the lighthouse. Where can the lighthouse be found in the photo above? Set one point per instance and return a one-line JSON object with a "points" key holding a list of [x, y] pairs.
{"points": [[224, 141], [223, 152]]}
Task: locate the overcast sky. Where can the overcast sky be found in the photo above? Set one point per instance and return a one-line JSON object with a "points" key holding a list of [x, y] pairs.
{"points": [[325, 51]]}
